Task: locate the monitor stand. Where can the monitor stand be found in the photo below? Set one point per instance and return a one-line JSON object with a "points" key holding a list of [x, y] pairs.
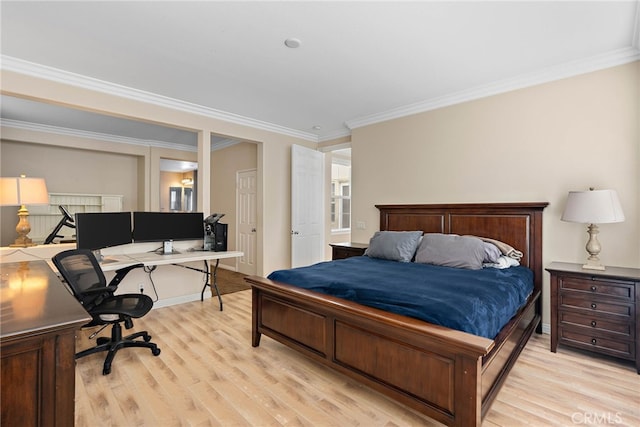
{"points": [[98, 255], [101, 259]]}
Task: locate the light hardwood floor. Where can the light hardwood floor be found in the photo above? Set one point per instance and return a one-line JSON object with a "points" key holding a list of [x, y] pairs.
{"points": [[209, 375]]}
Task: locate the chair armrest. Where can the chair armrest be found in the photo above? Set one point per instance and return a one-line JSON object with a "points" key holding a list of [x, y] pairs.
{"points": [[94, 297], [123, 272]]}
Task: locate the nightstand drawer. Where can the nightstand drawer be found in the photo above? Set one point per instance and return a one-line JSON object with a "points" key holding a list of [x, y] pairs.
{"points": [[595, 342], [597, 323], [578, 301], [341, 253], [347, 250], [594, 286]]}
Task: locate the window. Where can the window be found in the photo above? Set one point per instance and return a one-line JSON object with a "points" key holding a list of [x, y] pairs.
{"points": [[345, 211], [340, 205]]}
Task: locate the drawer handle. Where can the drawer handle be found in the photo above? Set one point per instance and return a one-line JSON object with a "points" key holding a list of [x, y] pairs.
{"points": [[593, 341], [594, 288], [594, 305], [593, 323]]}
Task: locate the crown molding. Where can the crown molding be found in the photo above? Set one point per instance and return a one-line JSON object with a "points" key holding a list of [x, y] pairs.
{"points": [[569, 69], [224, 143], [17, 65], [335, 134], [57, 130]]}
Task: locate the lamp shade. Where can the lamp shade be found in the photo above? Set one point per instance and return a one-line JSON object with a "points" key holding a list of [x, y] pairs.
{"points": [[20, 191], [593, 207]]}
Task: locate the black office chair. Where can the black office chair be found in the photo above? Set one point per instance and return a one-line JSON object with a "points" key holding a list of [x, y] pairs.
{"points": [[86, 281]]}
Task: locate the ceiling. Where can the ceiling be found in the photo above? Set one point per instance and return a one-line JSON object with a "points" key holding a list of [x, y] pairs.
{"points": [[357, 63]]}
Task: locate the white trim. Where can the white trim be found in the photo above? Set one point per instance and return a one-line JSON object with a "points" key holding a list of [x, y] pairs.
{"points": [[17, 65], [329, 148], [219, 145], [635, 38], [336, 160], [180, 300], [17, 124], [546, 328], [569, 69], [340, 133]]}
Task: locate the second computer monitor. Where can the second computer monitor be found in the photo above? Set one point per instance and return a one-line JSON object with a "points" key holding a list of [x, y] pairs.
{"points": [[161, 226]]}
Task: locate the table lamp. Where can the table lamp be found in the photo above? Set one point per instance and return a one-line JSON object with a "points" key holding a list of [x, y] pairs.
{"points": [[593, 207], [22, 191]]}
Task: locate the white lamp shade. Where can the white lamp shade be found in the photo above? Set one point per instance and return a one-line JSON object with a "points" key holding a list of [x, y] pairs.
{"points": [[593, 207], [23, 191]]}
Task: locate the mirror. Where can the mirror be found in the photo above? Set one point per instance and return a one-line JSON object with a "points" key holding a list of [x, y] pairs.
{"points": [[175, 198], [188, 199]]}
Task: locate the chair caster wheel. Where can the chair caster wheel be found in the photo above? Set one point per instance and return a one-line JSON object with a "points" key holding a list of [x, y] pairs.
{"points": [[106, 371], [155, 351], [102, 340], [147, 338]]}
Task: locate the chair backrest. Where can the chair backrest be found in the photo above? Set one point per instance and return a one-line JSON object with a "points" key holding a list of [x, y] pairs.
{"points": [[82, 272]]}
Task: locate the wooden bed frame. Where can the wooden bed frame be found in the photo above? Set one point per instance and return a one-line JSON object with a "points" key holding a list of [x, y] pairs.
{"points": [[451, 376]]}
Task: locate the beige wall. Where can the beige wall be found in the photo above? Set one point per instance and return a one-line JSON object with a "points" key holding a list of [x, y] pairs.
{"points": [[533, 144]]}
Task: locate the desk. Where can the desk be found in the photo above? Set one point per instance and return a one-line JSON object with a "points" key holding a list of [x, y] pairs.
{"points": [[149, 259], [39, 322]]}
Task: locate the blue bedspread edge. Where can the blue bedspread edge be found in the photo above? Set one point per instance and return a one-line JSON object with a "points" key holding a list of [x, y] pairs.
{"points": [[479, 302]]}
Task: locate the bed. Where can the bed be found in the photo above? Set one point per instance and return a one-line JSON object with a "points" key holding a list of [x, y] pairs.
{"points": [[449, 375]]}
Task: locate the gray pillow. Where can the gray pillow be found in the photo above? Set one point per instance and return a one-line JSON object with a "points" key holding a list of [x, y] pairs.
{"points": [[451, 250], [394, 245]]}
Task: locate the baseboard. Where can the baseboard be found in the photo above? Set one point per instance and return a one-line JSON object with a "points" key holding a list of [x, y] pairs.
{"points": [[546, 328], [180, 300]]}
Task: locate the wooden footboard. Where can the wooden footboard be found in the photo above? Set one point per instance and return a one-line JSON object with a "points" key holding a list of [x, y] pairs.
{"points": [[448, 375]]}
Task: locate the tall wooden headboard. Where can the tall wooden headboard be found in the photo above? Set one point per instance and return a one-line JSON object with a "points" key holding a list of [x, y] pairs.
{"points": [[517, 224]]}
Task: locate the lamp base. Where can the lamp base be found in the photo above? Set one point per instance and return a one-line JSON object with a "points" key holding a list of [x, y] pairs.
{"points": [[593, 266], [593, 248], [22, 242], [23, 228]]}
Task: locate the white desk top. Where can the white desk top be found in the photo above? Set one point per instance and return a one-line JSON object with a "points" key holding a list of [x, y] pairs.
{"points": [[115, 262]]}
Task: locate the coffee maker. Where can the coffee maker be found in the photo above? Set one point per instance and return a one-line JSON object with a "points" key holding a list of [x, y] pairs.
{"points": [[215, 233]]}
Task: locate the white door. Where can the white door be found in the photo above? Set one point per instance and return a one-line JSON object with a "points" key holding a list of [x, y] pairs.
{"points": [[307, 206], [246, 200]]}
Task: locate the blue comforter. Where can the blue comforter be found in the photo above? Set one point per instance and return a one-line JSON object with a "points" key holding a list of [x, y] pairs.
{"points": [[480, 302]]}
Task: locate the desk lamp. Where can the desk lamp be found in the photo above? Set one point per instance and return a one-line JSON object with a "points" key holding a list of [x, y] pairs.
{"points": [[593, 207], [22, 191]]}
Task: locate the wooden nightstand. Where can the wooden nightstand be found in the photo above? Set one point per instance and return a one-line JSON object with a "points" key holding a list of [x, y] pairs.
{"points": [[596, 310], [346, 250]]}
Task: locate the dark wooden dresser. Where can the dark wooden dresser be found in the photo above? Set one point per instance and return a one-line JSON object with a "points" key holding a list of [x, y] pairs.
{"points": [[346, 250], [37, 344], [596, 310]]}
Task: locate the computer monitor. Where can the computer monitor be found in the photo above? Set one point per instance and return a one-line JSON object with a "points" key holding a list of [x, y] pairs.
{"points": [[162, 226], [99, 230]]}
